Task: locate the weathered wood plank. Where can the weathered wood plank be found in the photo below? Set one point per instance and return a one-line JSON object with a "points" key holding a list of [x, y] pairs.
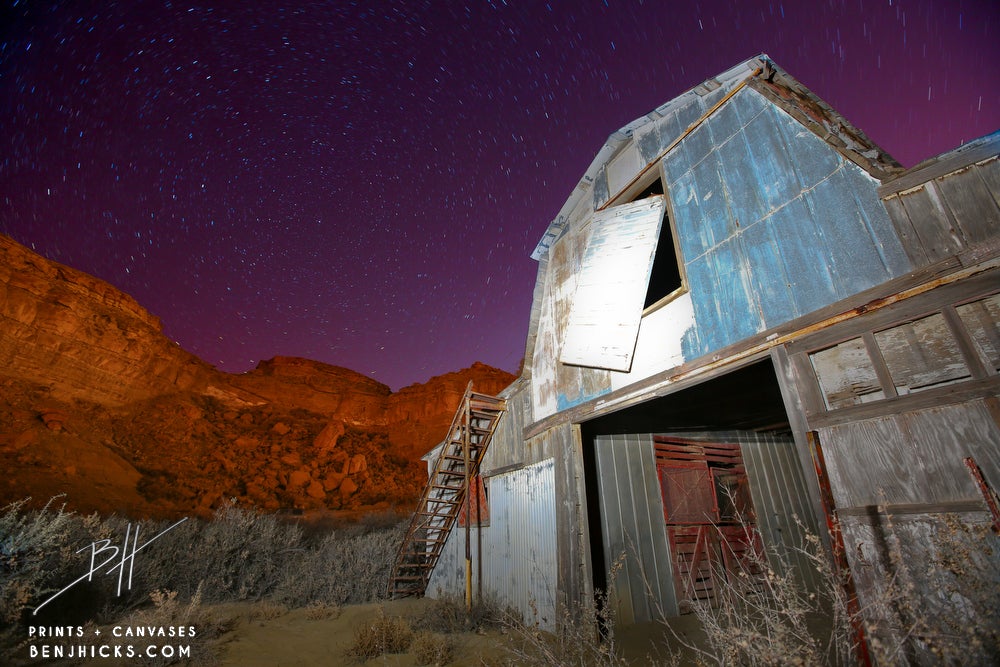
{"points": [[968, 198], [932, 222], [977, 151]]}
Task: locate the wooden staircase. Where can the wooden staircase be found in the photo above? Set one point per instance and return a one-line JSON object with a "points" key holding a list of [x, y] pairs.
{"points": [[456, 466]]}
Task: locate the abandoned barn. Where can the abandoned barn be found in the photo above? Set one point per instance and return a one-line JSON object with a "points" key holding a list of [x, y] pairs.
{"points": [[746, 313]]}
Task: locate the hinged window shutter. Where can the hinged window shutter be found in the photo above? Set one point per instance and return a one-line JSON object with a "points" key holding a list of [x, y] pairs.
{"points": [[611, 288]]}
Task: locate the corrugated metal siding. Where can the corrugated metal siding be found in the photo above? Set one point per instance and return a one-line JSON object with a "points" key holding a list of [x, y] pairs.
{"points": [[633, 528], [633, 525], [518, 548], [611, 287]]}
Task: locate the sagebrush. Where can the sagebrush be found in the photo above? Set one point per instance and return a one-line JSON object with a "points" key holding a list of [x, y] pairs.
{"points": [[240, 555]]}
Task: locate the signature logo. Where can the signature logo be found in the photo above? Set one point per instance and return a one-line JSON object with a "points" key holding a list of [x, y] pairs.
{"points": [[126, 563]]}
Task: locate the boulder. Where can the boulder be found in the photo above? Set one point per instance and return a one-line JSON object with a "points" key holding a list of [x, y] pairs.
{"points": [[298, 478], [358, 464], [348, 488], [326, 441]]}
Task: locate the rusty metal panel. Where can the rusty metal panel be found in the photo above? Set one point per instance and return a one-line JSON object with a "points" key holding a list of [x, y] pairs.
{"points": [[607, 307], [515, 555]]}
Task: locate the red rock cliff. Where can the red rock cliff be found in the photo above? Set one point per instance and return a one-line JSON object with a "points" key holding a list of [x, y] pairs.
{"points": [[96, 403]]}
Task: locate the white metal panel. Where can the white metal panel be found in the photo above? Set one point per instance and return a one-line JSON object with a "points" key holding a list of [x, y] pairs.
{"points": [[515, 556], [660, 345], [624, 167], [611, 290]]}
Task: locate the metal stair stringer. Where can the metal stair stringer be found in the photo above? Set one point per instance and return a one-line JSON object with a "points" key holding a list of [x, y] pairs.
{"points": [[457, 463]]}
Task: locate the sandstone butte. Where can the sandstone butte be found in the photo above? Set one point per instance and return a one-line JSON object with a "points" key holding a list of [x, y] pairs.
{"points": [[99, 408]]}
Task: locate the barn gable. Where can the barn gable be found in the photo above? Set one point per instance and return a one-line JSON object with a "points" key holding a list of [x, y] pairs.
{"points": [[771, 212]]}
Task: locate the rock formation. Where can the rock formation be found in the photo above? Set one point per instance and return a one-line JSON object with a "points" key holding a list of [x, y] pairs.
{"points": [[96, 404]]}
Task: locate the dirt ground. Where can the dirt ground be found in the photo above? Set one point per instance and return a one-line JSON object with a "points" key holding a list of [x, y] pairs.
{"points": [[268, 635], [294, 640]]}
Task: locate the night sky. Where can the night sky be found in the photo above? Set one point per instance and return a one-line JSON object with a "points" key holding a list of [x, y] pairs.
{"points": [[363, 183]]}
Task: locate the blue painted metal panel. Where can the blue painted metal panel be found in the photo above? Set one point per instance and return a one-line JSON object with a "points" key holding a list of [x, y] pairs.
{"points": [[696, 146], [750, 104], [813, 159], [701, 282], [649, 144], [564, 402], [854, 262], [774, 171], [879, 224], [767, 275], [686, 205], [725, 122], [716, 223], [742, 181], [675, 166], [737, 311], [804, 258]]}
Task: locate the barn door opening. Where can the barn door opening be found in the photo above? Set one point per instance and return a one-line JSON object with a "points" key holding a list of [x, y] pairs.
{"points": [[709, 516], [690, 462]]}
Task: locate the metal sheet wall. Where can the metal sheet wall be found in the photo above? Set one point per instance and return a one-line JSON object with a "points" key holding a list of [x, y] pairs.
{"points": [[772, 222], [515, 556], [634, 534]]}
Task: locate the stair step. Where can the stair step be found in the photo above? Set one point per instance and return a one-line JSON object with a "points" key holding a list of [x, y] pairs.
{"points": [[461, 454]]}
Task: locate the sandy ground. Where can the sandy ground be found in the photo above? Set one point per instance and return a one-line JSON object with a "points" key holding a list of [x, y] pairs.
{"points": [[295, 640], [267, 635]]}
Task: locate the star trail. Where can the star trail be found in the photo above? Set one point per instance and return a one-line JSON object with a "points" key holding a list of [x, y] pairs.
{"points": [[363, 183]]}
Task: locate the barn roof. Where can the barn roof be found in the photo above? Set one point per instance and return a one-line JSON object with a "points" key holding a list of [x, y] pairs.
{"points": [[614, 169]]}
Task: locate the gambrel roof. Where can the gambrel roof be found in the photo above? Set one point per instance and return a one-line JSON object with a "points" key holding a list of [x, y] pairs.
{"points": [[637, 147]]}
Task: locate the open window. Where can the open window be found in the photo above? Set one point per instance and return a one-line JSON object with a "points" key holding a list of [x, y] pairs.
{"points": [[665, 277], [630, 266]]}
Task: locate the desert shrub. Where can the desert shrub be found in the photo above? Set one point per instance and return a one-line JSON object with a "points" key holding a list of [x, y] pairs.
{"points": [[763, 615], [448, 614], [383, 634], [585, 635], [266, 610], [32, 555], [38, 557], [168, 611], [430, 648], [239, 555], [321, 611], [347, 566]]}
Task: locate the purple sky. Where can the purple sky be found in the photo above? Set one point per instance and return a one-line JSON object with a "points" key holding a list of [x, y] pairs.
{"points": [[364, 186]]}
